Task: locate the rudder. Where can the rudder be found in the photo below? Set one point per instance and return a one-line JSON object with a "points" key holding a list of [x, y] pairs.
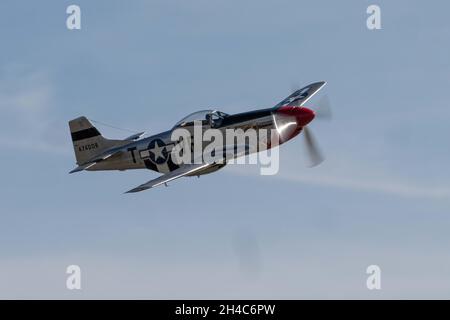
{"points": [[87, 140]]}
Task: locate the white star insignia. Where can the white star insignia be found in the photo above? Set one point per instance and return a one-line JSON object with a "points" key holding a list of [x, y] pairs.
{"points": [[157, 151]]}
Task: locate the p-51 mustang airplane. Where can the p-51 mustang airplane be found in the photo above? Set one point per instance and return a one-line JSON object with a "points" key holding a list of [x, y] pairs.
{"points": [[94, 152]]}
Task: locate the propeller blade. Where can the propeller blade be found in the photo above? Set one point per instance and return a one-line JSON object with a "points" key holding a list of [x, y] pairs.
{"points": [[314, 154], [323, 108]]}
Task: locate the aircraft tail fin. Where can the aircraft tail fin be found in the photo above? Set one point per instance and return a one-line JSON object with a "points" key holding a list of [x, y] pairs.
{"points": [[87, 140]]}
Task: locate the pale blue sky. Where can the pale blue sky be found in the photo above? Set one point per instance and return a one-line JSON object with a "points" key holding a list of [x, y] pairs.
{"points": [[382, 196]]}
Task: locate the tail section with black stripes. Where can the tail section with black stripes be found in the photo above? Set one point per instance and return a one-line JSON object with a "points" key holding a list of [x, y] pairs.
{"points": [[87, 140]]}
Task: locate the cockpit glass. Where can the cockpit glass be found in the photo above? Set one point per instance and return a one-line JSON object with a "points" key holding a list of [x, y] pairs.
{"points": [[204, 115]]}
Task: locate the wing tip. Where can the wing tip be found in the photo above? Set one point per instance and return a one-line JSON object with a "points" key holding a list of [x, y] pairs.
{"points": [[77, 169], [137, 189], [320, 83]]}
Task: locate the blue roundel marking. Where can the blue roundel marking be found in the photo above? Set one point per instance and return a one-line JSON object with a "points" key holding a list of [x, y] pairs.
{"points": [[157, 151]]}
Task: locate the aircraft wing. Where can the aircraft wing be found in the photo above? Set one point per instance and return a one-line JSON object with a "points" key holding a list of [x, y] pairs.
{"points": [[299, 97], [229, 152], [182, 171]]}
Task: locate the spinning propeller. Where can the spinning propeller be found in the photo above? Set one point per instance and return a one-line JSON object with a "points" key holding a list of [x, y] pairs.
{"points": [[291, 117], [322, 112]]}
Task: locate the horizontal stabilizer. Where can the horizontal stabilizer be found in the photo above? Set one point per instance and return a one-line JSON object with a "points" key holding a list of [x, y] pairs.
{"points": [[103, 156], [135, 136], [83, 167]]}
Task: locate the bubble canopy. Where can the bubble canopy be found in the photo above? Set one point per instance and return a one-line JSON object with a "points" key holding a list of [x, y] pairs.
{"points": [[203, 115]]}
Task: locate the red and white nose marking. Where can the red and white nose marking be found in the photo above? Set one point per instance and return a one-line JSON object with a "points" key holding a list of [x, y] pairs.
{"points": [[302, 115], [290, 120]]}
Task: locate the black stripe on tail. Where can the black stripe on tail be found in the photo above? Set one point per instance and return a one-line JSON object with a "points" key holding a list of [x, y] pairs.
{"points": [[85, 134]]}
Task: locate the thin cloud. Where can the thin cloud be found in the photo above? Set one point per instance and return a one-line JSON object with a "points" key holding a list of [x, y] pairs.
{"points": [[355, 181], [391, 187], [28, 114]]}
